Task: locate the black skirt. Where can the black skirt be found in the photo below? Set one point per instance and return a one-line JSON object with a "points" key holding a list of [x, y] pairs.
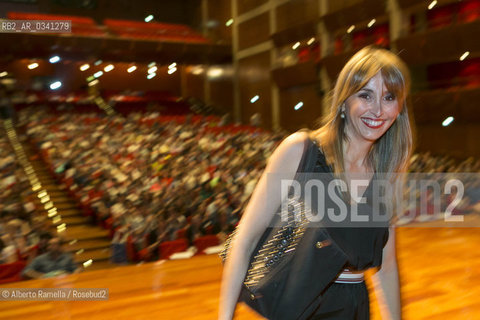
{"points": [[344, 301]]}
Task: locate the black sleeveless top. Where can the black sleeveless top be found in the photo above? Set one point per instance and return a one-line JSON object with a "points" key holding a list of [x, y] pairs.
{"points": [[363, 245]]}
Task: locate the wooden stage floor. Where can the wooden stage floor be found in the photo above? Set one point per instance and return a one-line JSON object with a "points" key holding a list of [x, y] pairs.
{"points": [[440, 274]]}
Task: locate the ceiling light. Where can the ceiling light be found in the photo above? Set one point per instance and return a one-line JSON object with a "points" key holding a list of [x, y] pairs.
{"points": [[151, 75], [152, 69], [32, 65], [296, 45], [84, 67], [55, 85], [254, 99], [109, 68], [312, 40], [131, 69], [148, 18], [464, 55], [229, 22], [54, 59], [432, 4], [371, 23], [447, 121], [298, 105], [352, 27]]}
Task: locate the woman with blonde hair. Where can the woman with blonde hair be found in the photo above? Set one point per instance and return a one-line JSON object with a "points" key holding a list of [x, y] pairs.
{"points": [[367, 131]]}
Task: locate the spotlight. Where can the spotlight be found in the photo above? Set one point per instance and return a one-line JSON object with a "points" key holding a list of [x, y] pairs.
{"points": [[54, 59], [109, 68], [55, 85], [464, 55], [152, 69], [447, 121]]}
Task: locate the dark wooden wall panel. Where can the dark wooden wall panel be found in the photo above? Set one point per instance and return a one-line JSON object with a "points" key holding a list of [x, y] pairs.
{"points": [[221, 94], [308, 115], [337, 5], [247, 5], [296, 12], [195, 85], [219, 12], [254, 78], [459, 141], [254, 31]]}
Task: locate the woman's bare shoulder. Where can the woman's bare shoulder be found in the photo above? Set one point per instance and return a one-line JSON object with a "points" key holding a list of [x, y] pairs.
{"points": [[287, 155]]}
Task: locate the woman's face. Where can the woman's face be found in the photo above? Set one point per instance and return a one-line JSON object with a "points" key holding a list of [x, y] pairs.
{"points": [[371, 111]]}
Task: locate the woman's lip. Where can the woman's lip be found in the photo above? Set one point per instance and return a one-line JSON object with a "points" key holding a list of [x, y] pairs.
{"points": [[373, 123]]}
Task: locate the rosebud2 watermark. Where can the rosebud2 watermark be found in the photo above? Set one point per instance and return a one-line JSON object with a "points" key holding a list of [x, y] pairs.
{"points": [[378, 200]]}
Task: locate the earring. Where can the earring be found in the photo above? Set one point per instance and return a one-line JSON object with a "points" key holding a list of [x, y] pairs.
{"points": [[342, 115]]}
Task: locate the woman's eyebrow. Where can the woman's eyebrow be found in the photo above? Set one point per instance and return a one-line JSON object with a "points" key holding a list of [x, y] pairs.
{"points": [[366, 89]]}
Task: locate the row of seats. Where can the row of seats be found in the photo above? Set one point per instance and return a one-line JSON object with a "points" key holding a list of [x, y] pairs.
{"points": [[378, 35], [86, 26], [457, 12]]}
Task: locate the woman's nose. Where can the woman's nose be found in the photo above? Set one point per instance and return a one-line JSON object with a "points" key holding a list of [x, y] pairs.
{"points": [[376, 108]]}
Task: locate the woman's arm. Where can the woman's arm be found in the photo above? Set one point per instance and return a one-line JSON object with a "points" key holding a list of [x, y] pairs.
{"points": [[256, 218], [386, 282]]}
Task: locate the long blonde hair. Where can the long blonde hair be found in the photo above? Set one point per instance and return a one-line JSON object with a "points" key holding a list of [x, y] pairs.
{"points": [[391, 152]]}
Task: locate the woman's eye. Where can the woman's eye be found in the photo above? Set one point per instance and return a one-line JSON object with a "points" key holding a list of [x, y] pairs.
{"points": [[390, 97], [364, 96]]}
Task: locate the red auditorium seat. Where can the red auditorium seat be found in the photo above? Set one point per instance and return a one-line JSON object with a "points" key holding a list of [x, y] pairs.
{"points": [[338, 45], [182, 233], [11, 272], [132, 254], [360, 39], [440, 17], [153, 31], [168, 248], [38, 16], [469, 11], [204, 242]]}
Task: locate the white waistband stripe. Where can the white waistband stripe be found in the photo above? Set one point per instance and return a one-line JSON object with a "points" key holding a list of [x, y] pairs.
{"points": [[348, 276]]}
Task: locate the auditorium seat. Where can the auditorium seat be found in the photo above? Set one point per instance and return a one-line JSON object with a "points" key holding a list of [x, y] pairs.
{"points": [[153, 31], [168, 248], [11, 272], [469, 11], [204, 242]]}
